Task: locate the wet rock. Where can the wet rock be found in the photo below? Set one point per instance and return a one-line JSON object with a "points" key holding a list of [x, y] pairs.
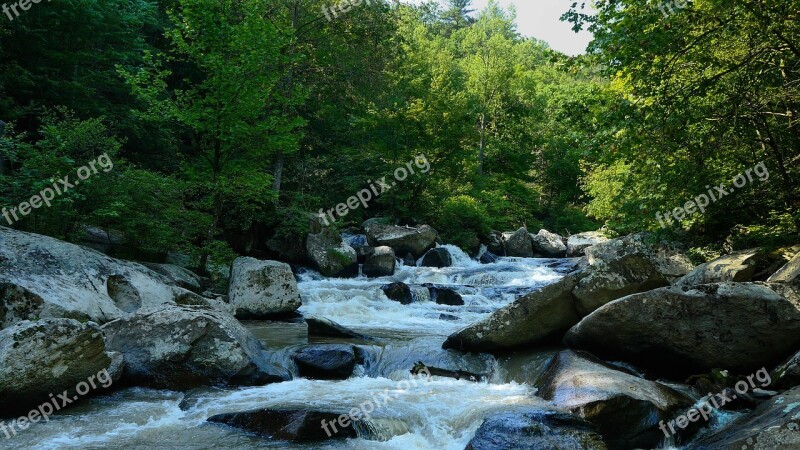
{"points": [[533, 319], [403, 240], [519, 244], [448, 317], [381, 263], [325, 361], [446, 296], [684, 331], [181, 347], [775, 424], [488, 257], [262, 289], [535, 428], [578, 243], [331, 255], [289, 425], [44, 358], [324, 327], [549, 245], [739, 266], [438, 257], [625, 408], [787, 375], [362, 253], [42, 277], [399, 292], [495, 243]]}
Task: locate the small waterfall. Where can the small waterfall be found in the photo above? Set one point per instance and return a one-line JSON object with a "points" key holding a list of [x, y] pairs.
{"points": [[420, 294]]}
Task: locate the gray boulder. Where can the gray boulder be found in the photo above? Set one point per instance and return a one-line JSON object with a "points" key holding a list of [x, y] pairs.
{"points": [[625, 266], [325, 361], [331, 255], [789, 274], [184, 278], [684, 331], [549, 244], [578, 243], [438, 257], [381, 262], [495, 243], [181, 347], [47, 357], [403, 240], [625, 408], [739, 267], [42, 277], [535, 428], [775, 424], [532, 319], [787, 375], [519, 243], [262, 289]]}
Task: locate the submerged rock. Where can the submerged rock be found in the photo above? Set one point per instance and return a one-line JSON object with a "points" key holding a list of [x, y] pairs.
{"points": [[535, 428], [403, 240], [519, 243], [532, 319], [625, 408], [289, 425], [775, 424], [47, 357], [320, 326], [549, 244], [331, 255], [739, 266], [181, 347], [325, 361], [262, 289], [683, 331], [381, 262], [438, 257]]}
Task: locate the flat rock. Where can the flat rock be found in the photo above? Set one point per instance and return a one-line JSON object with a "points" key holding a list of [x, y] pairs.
{"points": [[739, 267], [287, 425]]}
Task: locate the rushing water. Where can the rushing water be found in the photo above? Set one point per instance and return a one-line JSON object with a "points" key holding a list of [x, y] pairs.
{"points": [[430, 414]]}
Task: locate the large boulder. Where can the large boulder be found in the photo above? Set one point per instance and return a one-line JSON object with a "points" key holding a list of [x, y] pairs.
{"points": [[181, 347], [626, 409], [519, 243], [45, 358], [403, 240], [42, 277], [789, 274], [549, 244], [683, 331], [495, 243], [262, 289], [331, 255], [775, 424], [533, 319], [290, 425], [438, 257], [739, 266], [325, 361], [184, 278], [535, 428], [625, 266], [381, 262], [578, 243]]}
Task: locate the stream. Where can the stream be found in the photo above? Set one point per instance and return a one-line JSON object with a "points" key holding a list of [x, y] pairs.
{"points": [[437, 413]]}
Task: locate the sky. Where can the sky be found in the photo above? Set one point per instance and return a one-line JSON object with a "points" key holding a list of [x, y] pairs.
{"points": [[540, 19]]}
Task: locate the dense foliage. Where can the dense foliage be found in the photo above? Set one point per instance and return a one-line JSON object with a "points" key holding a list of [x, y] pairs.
{"points": [[230, 121]]}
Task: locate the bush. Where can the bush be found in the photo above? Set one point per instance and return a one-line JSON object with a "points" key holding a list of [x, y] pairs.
{"points": [[462, 221]]}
